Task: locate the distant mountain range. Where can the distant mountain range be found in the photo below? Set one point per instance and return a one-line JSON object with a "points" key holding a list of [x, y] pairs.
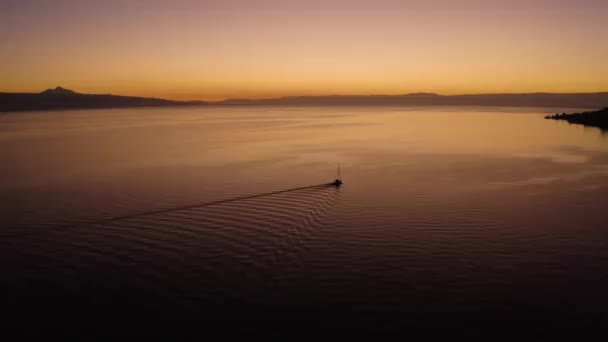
{"points": [[61, 98], [555, 100]]}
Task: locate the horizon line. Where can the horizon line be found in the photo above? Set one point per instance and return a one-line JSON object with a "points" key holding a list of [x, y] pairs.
{"points": [[317, 95]]}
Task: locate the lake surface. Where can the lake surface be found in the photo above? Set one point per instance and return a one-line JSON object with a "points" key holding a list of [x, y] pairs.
{"points": [[445, 213]]}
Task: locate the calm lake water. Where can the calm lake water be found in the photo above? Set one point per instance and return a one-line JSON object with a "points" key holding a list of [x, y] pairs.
{"points": [[445, 213]]}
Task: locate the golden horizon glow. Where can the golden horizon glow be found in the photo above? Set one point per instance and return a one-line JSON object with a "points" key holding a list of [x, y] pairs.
{"points": [[212, 50]]}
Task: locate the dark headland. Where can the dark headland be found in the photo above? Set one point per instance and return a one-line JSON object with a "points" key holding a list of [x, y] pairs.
{"points": [[61, 98], [598, 118]]}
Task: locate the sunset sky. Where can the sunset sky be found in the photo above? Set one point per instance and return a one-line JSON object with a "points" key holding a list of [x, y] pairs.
{"points": [[212, 50]]}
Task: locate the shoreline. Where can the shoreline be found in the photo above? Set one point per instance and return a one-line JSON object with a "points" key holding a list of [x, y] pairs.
{"points": [[598, 118]]}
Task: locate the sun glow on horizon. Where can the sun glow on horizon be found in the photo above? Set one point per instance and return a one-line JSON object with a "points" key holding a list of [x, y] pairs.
{"points": [[210, 50]]}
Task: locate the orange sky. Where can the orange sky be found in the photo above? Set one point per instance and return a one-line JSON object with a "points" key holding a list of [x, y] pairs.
{"points": [[213, 50]]}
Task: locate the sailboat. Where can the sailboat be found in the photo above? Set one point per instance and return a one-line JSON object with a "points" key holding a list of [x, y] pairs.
{"points": [[338, 180]]}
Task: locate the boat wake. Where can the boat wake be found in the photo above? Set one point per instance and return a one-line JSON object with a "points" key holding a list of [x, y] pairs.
{"points": [[217, 246]]}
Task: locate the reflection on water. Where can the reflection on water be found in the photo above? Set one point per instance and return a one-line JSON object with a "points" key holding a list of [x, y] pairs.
{"points": [[469, 212]]}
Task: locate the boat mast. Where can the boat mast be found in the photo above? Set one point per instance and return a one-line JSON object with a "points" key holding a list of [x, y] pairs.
{"points": [[338, 180]]}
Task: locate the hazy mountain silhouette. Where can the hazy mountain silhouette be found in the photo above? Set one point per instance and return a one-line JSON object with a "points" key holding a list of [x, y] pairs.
{"points": [[61, 98], [565, 100], [59, 91], [598, 118]]}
